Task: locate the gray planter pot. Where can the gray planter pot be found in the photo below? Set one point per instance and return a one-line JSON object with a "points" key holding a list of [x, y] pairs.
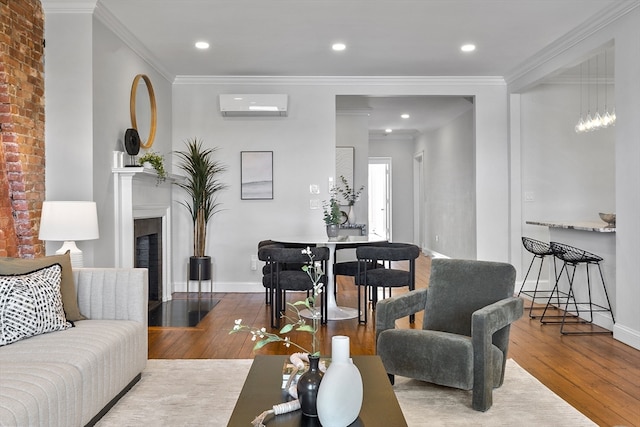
{"points": [[332, 230]]}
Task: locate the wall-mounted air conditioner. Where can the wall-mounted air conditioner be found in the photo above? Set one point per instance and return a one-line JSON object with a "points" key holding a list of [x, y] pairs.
{"points": [[253, 105]]}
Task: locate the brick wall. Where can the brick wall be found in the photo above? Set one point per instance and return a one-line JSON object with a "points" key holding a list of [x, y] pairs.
{"points": [[22, 127]]}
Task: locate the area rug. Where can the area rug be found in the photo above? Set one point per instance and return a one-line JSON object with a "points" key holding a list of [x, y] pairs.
{"points": [[203, 393], [181, 312]]}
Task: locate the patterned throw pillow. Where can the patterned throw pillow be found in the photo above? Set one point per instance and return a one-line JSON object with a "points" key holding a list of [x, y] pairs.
{"points": [[30, 304], [67, 283]]}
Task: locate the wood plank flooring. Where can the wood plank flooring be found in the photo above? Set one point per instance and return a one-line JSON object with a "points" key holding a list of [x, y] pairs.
{"points": [[596, 374]]}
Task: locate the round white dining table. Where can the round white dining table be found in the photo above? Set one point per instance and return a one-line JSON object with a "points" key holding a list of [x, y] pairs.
{"points": [[334, 312]]}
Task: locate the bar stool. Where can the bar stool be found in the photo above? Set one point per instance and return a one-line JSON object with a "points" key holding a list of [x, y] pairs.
{"points": [[540, 250], [573, 257]]}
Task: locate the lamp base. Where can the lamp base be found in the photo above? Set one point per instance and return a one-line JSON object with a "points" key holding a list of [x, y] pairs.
{"points": [[75, 253]]}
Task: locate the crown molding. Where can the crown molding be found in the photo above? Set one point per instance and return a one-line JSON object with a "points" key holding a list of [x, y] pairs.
{"points": [[68, 6], [572, 38], [344, 80], [408, 135], [104, 15], [575, 80], [353, 111]]}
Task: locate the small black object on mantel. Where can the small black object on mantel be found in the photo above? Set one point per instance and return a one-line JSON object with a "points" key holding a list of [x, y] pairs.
{"points": [[132, 145]]}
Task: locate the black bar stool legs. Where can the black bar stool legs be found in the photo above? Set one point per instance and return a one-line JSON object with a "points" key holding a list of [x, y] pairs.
{"points": [[540, 250], [572, 258]]}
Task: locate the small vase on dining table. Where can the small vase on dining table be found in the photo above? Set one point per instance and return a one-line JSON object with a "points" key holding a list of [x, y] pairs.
{"points": [[332, 230]]}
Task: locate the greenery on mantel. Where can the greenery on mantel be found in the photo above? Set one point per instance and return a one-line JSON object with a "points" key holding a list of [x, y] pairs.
{"points": [[157, 162]]}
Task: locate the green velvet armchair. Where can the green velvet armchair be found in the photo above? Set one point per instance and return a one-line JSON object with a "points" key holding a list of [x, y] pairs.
{"points": [[468, 308]]}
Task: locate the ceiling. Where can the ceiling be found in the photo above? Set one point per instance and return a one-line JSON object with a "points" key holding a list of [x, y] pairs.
{"points": [[383, 38]]}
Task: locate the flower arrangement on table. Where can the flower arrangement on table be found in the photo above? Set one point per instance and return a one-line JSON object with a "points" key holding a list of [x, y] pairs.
{"points": [[348, 193], [295, 321]]}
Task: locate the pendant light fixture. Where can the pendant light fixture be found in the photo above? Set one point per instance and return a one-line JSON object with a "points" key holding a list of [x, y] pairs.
{"points": [[598, 121]]}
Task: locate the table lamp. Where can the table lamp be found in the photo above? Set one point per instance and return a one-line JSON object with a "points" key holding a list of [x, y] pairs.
{"points": [[68, 222]]}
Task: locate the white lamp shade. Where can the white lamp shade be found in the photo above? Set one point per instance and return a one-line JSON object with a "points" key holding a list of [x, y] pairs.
{"points": [[63, 221]]}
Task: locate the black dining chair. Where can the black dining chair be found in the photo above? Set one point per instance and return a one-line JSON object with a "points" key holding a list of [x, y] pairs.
{"points": [[268, 267], [350, 268], [391, 256], [282, 280]]}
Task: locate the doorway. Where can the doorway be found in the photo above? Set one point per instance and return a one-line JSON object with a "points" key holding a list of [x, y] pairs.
{"points": [[380, 196], [419, 237]]}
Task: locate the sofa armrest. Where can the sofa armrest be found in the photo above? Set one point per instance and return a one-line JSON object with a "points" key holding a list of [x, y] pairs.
{"points": [[391, 309], [113, 293]]}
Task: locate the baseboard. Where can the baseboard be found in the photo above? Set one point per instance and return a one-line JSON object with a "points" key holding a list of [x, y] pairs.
{"points": [[433, 254], [241, 287], [627, 335], [526, 291]]}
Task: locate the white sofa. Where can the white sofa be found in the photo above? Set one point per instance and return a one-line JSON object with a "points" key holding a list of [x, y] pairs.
{"points": [[72, 377]]}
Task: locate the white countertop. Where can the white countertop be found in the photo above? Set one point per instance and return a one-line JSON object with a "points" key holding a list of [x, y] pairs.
{"points": [[597, 226]]}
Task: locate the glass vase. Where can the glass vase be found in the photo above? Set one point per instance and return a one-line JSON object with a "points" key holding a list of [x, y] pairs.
{"points": [[308, 386]]}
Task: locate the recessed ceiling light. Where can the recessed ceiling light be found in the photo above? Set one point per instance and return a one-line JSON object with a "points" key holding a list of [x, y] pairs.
{"points": [[468, 47], [338, 46], [202, 45], [388, 130], [405, 116]]}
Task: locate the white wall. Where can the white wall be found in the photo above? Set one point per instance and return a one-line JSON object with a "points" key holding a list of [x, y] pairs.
{"points": [[570, 176], [115, 66], [304, 153], [625, 32], [69, 147], [88, 77], [401, 151], [352, 130], [627, 65], [303, 146], [450, 187]]}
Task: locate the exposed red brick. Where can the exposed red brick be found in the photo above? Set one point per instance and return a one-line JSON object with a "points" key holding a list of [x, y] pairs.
{"points": [[22, 122]]}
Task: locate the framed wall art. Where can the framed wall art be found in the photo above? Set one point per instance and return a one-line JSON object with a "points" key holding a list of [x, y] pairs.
{"points": [[345, 164], [256, 175]]}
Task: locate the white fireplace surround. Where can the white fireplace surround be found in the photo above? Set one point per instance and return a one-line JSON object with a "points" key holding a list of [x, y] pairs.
{"points": [[138, 195]]}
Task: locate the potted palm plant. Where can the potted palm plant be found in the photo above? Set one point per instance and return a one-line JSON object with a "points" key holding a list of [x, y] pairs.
{"points": [[202, 185]]}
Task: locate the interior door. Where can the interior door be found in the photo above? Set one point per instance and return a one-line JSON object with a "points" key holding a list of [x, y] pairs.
{"points": [[380, 196]]}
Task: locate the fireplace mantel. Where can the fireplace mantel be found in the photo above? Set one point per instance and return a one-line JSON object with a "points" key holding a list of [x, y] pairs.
{"points": [[138, 194]]}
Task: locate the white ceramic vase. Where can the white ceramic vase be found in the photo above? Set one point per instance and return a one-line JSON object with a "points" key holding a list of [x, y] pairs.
{"points": [[340, 394], [352, 215]]}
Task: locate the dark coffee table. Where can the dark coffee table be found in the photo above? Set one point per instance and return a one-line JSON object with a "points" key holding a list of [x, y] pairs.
{"points": [[262, 390]]}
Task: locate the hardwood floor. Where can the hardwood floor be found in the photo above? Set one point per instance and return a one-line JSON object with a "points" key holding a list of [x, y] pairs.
{"points": [[596, 374]]}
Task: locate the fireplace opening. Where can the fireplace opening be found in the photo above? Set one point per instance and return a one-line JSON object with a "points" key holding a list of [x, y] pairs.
{"points": [[148, 254]]}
